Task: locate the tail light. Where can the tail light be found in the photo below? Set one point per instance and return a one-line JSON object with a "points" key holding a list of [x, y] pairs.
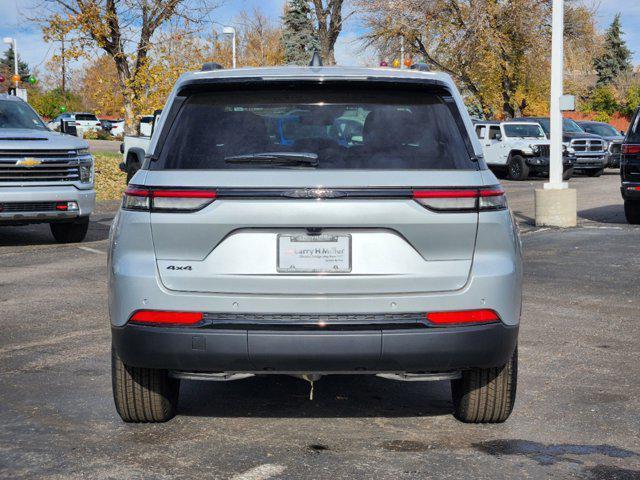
{"points": [[159, 317], [464, 317], [462, 199], [166, 200], [631, 149]]}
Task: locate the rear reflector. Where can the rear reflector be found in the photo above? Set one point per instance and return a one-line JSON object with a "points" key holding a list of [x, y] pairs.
{"points": [[166, 318], [173, 200], [464, 317], [631, 149], [463, 200]]}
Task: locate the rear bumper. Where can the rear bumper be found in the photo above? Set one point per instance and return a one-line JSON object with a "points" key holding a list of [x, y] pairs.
{"points": [[40, 194], [374, 351]]}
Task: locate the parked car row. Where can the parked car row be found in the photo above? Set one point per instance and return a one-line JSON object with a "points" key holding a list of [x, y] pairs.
{"points": [[520, 148]]}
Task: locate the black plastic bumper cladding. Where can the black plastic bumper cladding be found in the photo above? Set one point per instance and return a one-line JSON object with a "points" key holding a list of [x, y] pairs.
{"points": [[374, 351]]}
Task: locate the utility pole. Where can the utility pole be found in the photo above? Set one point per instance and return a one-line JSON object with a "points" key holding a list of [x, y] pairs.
{"points": [[64, 69], [556, 203]]}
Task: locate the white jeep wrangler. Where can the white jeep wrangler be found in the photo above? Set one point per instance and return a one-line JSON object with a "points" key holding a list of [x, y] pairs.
{"points": [[517, 149]]}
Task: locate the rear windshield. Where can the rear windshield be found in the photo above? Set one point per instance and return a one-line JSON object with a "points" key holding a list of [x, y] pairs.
{"points": [[86, 116], [530, 130], [327, 128], [634, 129]]}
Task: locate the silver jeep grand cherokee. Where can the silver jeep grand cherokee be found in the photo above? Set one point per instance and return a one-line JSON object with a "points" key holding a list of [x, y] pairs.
{"points": [[313, 221]]}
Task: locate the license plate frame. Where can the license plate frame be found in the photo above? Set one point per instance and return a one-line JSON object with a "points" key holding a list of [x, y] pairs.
{"points": [[326, 266]]}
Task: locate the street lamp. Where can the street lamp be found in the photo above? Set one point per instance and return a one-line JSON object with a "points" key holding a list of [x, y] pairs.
{"points": [[231, 31], [13, 43], [556, 203]]}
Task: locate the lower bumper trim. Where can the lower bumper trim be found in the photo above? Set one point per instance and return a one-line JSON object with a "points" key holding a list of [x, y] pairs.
{"points": [[430, 350]]}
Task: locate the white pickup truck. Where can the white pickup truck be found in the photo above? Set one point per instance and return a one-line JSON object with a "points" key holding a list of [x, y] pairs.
{"points": [[134, 147], [517, 149]]}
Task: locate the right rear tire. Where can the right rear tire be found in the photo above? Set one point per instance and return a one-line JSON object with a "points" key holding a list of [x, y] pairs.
{"points": [[517, 168], [143, 395], [632, 212], [486, 395]]}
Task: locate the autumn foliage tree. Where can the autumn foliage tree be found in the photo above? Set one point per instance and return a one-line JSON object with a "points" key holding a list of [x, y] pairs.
{"points": [[497, 50], [125, 30]]}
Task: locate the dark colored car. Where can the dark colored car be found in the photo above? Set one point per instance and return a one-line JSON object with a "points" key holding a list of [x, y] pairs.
{"points": [[613, 137], [630, 171], [587, 151]]}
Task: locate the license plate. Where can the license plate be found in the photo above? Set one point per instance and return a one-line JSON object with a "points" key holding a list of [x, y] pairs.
{"points": [[314, 253]]}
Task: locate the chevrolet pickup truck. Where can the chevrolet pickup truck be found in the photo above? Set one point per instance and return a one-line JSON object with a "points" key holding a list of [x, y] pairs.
{"points": [[45, 177]]}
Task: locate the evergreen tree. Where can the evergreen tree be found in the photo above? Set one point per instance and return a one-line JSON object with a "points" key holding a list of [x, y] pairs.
{"points": [[299, 38], [616, 57], [6, 65]]}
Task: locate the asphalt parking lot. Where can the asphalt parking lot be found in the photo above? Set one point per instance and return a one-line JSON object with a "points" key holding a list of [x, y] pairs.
{"points": [[577, 414]]}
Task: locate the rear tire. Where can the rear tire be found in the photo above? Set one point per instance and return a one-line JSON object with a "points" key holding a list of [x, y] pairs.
{"points": [[486, 395], [73, 232], [632, 212], [143, 395], [567, 174], [595, 173], [517, 168]]}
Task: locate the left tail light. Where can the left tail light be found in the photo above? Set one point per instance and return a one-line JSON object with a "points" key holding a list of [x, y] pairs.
{"points": [[166, 200], [462, 199]]}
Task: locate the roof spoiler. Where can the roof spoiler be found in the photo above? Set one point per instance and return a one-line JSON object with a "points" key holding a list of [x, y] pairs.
{"points": [[209, 66]]}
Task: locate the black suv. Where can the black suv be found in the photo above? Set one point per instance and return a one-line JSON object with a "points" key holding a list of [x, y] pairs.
{"points": [[630, 171]]}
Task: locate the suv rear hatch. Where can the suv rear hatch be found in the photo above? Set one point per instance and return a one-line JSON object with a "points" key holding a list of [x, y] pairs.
{"points": [[306, 189]]}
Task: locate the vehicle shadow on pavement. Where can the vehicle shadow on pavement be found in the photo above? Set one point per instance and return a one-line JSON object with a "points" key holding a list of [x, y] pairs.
{"points": [[610, 214], [275, 396], [40, 234]]}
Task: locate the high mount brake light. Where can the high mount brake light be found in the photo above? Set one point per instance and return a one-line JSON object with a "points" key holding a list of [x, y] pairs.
{"points": [[631, 149], [464, 317], [166, 318], [462, 199], [174, 200]]}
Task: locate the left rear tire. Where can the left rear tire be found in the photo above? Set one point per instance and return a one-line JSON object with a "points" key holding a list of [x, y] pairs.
{"points": [[486, 395], [143, 395]]}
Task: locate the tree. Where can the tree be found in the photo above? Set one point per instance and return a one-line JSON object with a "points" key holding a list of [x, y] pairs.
{"points": [[496, 50], [615, 58], [49, 103], [603, 100], [299, 38], [124, 30], [328, 25], [99, 87], [7, 65]]}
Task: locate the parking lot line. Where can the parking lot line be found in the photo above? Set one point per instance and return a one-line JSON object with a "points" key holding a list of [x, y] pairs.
{"points": [[92, 250], [261, 472]]}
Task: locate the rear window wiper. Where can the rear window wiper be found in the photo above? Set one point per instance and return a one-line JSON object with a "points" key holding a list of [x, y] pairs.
{"points": [[276, 158]]}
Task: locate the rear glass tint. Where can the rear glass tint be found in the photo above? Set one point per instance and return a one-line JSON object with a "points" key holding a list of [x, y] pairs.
{"points": [[634, 129], [330, 128], [86, 117]]}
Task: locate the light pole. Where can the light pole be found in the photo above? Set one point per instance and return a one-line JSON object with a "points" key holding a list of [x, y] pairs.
{"points": [[14, 44], [231, 31], [556, 203]]}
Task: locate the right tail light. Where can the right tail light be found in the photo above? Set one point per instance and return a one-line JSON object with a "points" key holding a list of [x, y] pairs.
{"points": [[462, 199]]}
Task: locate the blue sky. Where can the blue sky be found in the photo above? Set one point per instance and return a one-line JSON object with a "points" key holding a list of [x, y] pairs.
{"points": [[35, 51]]}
